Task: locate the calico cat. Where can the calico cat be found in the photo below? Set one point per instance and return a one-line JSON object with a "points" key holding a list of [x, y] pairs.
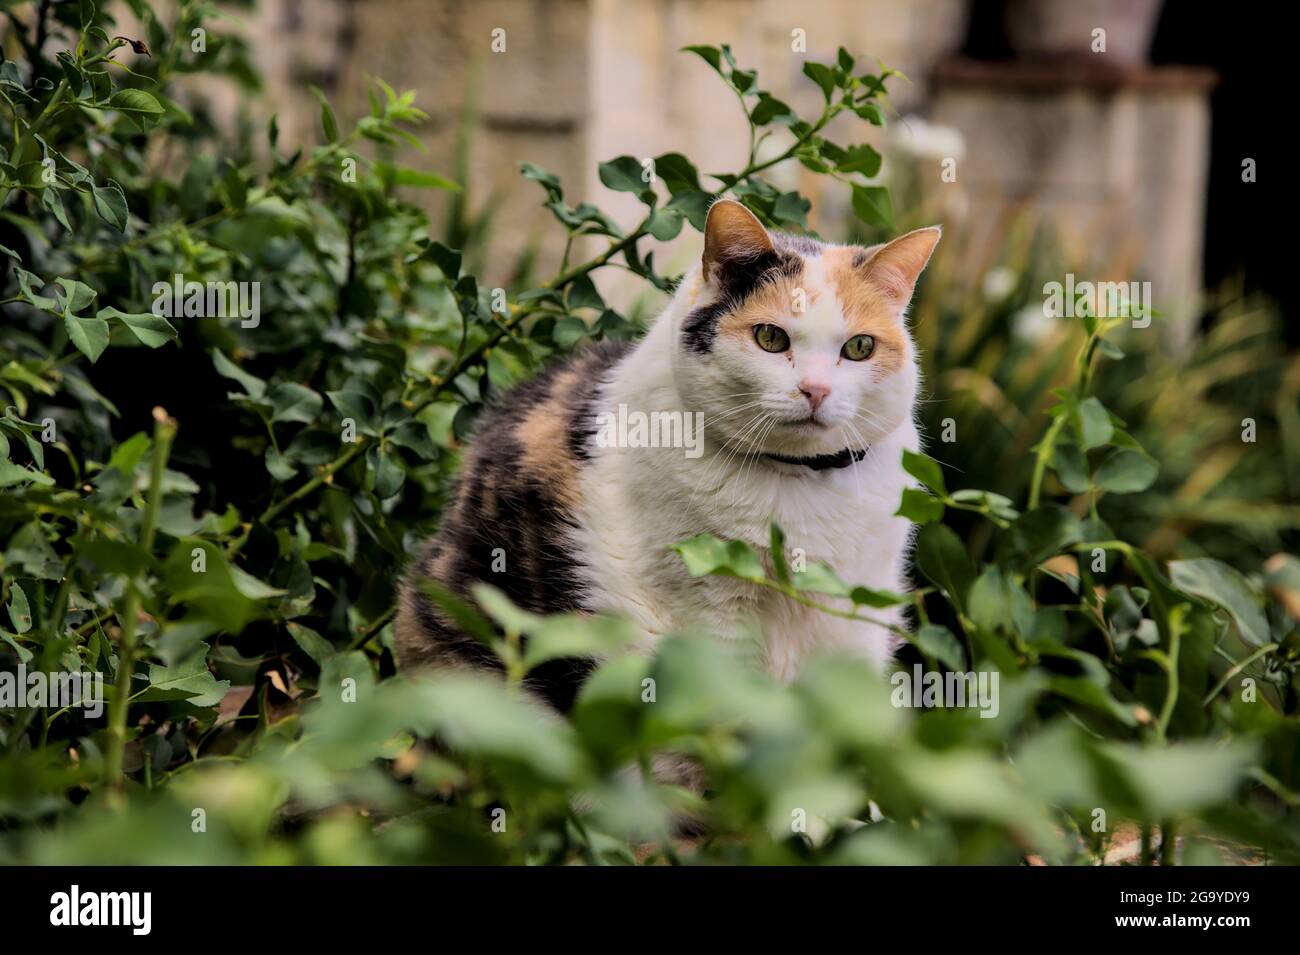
{"points": [[797, 359]]}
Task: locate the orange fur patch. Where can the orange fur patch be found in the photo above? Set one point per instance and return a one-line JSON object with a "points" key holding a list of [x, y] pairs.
{"points": [[543, 435], [868, 310], [773, 303]]}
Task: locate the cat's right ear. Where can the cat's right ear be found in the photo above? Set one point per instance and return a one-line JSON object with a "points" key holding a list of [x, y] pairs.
{"points": [[733, 237]]}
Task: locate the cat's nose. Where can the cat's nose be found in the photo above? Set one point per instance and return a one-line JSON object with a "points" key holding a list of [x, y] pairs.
{"points": [[815, 392]]}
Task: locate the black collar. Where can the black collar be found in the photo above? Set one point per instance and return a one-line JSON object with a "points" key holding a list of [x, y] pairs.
{"points": [[840, 459]]}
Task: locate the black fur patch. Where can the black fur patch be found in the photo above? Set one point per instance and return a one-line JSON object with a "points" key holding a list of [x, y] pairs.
{"points": [[737, 280], [595, 363]]}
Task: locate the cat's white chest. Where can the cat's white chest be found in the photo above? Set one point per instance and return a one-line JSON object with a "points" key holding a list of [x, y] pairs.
{"points": [[640, 508]]}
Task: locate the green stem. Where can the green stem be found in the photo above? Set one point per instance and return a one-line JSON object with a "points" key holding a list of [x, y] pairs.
{"points": [[1168, 843], [1237, 668], [1176, 628], [1082, 379], [798, 597], [326, 473], [1040, 462], [164, 433]]}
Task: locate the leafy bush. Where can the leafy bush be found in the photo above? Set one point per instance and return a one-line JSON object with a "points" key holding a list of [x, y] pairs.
{"points": [[213, 513]]}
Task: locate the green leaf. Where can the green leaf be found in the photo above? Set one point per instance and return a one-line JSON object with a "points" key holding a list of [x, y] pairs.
{"points": [[817, 577], [52, 200], [1223, 586], [873, 206], [823, 76], [665, 223], [920, 506], [208, 584], [20, 612], [148, 329], [709, 54], [30, 284], [1181, 777], [871, 113], [574, 635], [568, 331], [1039, 534], [625, 174], [358, 406], [706, 555], [925, 469], [1093, 425], [294, 402], [1071, 468], [12, 474], [508, 365], [311, 643], [327, 121], [232, 183], [417, 178], [481, 717], [776, 544], [253, 387], [389, 475], [110, 204], [768, 109], [1126, 472], [694, 204], [76, 295], [89, 335], [677, 173], [791, 209], [940, 644], [547, 180], [942, 558], [139, 106], [582, 294], [189, 680], [863, 159], [997, 602]]}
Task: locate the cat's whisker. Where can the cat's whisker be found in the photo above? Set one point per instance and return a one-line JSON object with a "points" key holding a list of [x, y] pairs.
{"points": [[767, 422], [719, 461]]}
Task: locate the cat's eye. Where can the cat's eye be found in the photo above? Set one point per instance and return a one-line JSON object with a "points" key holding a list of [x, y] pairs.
{"points": [[771, 338], [858, 348]]}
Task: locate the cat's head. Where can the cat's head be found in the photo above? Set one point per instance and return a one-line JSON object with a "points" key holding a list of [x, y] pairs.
{"points": [[795, 347]]}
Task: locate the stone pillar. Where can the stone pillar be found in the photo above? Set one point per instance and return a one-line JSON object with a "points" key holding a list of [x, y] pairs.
{"points": [[1113, 161]]}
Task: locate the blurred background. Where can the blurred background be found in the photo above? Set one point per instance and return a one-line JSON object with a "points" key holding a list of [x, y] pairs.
{"points": [[1132, 154]]}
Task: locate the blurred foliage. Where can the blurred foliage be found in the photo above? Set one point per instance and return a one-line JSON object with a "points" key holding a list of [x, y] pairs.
{"points": [[213, 513]]}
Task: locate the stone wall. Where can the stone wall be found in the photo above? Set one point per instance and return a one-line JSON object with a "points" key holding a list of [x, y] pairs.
{"points": [[1113, 160]]}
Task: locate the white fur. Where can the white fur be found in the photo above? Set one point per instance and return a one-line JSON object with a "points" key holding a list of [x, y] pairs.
{"points": [[638, 502]]}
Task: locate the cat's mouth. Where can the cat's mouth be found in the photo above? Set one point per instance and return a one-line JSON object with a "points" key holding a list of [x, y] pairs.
{"points": [[809, 422]]}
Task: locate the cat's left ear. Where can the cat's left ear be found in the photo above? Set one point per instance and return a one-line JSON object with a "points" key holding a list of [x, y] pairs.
{"points": [[895, 266], [734, 239]]}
